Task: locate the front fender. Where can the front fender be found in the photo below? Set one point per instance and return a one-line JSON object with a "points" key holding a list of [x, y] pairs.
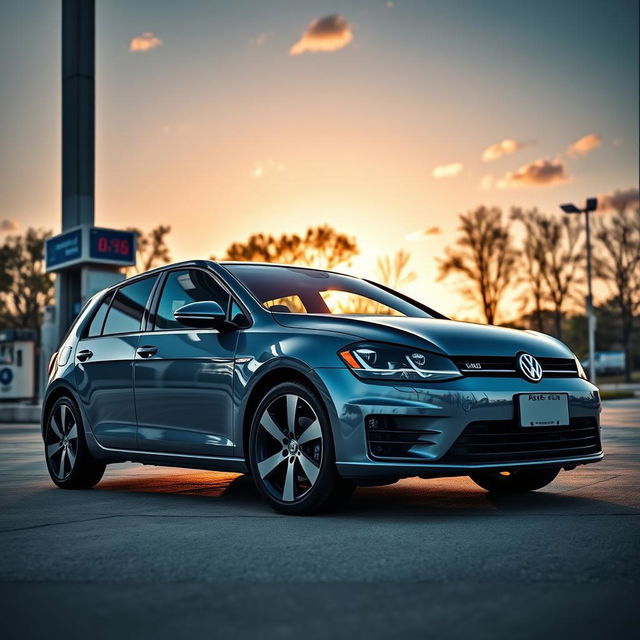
{"points": [[268, 374]]}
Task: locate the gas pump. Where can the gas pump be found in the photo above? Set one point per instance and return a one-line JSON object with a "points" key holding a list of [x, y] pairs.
{"points": [[17, 364]]}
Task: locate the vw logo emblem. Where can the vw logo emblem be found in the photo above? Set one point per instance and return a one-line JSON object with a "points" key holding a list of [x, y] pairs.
{"points": [[530, 367]]}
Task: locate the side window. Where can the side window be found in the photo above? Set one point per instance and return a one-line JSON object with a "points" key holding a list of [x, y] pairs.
{"points": [[128, 306], [291, 303], [95, 326], [183, 287]]}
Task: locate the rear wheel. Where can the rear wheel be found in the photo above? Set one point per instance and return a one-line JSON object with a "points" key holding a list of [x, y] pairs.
{"points": [[516, 481], [69, 462], [291, 453]]}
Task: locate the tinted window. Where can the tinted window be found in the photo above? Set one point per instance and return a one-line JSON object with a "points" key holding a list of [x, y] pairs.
{"points": [[183, 287], [95, 327], [297, 290], [128, 306]]}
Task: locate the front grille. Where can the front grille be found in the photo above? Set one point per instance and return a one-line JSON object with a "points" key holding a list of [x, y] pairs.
{"points": [[392, 437], [505, 366], [506, 441], [558, 367]]}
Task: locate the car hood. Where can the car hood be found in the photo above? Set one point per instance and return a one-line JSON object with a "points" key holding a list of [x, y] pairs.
{"points": [[441, 336]]}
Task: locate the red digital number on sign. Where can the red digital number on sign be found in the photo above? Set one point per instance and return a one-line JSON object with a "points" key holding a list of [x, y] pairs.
{"points": [[119, 246]]}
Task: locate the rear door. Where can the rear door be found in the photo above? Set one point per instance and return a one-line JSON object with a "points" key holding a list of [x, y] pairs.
{"points": [[184, 376], [104, 359]]}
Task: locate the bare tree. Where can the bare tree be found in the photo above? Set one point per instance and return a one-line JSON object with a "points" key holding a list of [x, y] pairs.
{"points": [[393, 271], [556, 247], [151, 249], [617, 262], [483, 256], [536, 293], [25, 288], [321, 247]]}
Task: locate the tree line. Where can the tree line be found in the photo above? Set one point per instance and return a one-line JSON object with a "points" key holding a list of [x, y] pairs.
{"points": [[542, 265], [546, 266]]}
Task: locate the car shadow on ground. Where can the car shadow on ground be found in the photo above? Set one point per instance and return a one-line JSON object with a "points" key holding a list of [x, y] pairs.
{"points": [[412, 497]]}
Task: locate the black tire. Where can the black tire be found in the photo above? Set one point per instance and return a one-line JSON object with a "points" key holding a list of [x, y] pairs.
{"points": [[69, 461], [518, 480], [286, 484]]}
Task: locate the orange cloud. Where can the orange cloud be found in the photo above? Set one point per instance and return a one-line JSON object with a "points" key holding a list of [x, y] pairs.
{"points": [[620, 199], [261, 169], [584, 145], [421, 234], [8, 225], [145, 42], [261, 39], [504, 148], [447, 170], [324, 34], [541, 173]]}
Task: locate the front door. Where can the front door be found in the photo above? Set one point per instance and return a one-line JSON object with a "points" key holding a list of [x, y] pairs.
{"points": [[184, 376], [104, 359]]}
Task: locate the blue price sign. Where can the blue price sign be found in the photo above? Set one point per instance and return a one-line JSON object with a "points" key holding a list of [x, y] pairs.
{"points": [[112, 245], [90, 246], [64, 249]]}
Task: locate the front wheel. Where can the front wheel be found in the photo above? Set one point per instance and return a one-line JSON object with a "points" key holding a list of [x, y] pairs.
{"points": [[291, 452], [69, 461], [516, 481]]}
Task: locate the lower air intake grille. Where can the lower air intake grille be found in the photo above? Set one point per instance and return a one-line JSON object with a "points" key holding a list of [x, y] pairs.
{"points": [[505, 441], [404, 437]]}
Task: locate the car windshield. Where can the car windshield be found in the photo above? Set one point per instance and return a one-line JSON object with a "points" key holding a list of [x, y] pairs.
{"points": [[283, 289]]}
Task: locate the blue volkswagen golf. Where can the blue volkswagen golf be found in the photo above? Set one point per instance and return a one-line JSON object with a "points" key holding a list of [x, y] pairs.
{"points": [[311, 381]]}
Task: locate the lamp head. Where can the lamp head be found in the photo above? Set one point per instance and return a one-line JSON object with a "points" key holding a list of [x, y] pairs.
{"points": [[569, 208], [592, 204]]}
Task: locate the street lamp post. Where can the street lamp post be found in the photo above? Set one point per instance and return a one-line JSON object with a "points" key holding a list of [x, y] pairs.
{"points": [[591, 205]]}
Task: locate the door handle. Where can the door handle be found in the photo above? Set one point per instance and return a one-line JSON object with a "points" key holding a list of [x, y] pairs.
{"points": [[84, 355], [147, 351]]}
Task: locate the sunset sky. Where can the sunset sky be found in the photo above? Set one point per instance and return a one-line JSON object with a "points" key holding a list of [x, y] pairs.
{"points": [[382, 119]]}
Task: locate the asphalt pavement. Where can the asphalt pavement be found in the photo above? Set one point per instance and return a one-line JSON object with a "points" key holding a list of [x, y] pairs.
{"points": [[158, 552]]}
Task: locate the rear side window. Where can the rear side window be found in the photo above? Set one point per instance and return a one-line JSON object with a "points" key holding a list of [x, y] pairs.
{"points": [[95, 326], [183, 287], [127, 308]]}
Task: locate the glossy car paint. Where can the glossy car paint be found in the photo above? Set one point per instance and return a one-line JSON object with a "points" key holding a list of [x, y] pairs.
{"points": [[183, 394], [188, 404]]}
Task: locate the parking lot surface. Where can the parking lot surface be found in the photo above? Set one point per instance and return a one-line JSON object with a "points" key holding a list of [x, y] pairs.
{"points": [[159, 552]]}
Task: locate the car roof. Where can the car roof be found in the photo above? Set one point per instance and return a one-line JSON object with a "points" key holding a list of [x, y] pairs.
{"points": [[225, 263]]}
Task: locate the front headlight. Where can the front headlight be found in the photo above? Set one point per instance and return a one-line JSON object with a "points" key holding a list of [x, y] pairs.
{"points": [[377, 361], [581, 372]]}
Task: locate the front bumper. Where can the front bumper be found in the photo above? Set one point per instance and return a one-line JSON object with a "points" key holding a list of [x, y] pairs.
{"points": [[444, 410]]}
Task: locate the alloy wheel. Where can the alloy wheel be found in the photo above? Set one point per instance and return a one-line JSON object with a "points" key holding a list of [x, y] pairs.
{"points": [[62, 441], [289, 447]]}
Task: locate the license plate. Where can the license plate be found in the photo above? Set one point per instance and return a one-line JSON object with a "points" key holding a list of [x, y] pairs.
{"points": [[543, 409]]}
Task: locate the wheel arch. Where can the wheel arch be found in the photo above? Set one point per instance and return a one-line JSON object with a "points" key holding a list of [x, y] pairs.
{"points": [[276, 375], [54, 393]]}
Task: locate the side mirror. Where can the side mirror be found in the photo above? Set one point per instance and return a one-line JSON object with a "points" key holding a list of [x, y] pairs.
{"points": [[201, 315]]}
